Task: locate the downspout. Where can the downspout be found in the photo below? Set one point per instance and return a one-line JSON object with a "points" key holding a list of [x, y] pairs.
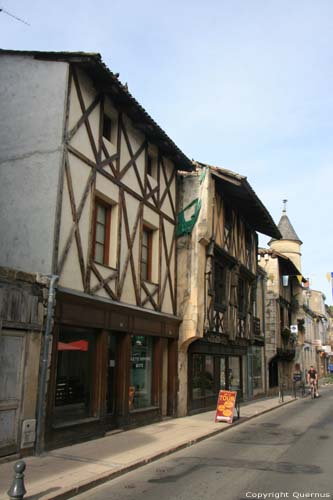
{"points": [[44, 365], [264, 330]]}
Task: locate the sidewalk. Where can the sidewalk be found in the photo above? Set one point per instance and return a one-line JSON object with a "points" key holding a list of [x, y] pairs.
{"points": [[65, 472]]}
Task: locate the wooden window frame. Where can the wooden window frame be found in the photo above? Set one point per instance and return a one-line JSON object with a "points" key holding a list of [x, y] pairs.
{"points": [[149, 231], [106, 252]]}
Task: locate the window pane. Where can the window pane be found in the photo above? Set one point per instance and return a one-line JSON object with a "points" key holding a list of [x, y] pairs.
{"points": [[76, 350], [197, 376], [141, 372], [256, 366], [222, 373], [101, 214], [144, 271], [100, 233], [144, 238], [99, 253], [144, 254], [209, 376], [234, 373]]}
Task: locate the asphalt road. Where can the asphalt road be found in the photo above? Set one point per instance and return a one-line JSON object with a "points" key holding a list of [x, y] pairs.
{"points": [[287, 453]]}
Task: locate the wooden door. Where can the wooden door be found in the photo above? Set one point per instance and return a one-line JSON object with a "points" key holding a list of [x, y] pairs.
{"points": [[11, 379]]}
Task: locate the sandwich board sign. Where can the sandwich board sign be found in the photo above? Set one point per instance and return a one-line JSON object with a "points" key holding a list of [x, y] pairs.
{"points": [[225, 406]]}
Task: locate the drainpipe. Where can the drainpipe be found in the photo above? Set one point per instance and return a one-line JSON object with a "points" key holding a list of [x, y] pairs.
{"points": [[44, 365], [263, 294]]}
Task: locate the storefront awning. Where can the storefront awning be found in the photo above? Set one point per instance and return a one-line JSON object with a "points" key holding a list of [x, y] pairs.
{"points": [[78, 345]]}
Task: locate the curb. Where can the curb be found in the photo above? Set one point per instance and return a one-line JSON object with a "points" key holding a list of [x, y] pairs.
{"points": [[83, 486]]}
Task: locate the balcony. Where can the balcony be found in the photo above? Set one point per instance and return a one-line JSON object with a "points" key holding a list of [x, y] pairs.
{"points": [[286, 353], [256, 327]]}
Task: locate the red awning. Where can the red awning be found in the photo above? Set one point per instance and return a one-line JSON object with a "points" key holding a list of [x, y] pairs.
{"points": [[78, 345]]}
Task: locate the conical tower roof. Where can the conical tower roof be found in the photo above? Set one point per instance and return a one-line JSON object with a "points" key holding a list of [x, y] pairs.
{"points": [[286, 228]]}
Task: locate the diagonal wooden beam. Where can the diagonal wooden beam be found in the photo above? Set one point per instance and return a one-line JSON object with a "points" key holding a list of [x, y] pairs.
{"points": [[80, 156], [79, 211], [75, 220], [105, 281], [101, 280], [130, 242], [167, 276], [132, 157], [83, 109], [83, 118], [149, 297]]}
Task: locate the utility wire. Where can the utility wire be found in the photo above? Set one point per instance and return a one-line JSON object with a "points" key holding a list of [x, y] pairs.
{"points": [[12, 15]]}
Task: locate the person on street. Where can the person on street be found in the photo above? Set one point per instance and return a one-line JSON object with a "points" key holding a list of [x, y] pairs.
{"points": [[312, 378]]}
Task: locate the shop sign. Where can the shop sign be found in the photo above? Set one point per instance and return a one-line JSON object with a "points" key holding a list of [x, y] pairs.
{"points": [[225, 406]]}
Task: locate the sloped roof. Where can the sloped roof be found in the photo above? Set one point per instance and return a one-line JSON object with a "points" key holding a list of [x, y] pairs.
{"points": [[238, 190], [108, 82], [287, 265]]}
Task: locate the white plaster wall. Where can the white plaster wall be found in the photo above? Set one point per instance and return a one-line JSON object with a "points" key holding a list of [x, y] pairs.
{"points": [[32, 101]]}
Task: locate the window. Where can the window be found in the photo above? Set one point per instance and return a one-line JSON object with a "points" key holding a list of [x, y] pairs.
{"points": [[140, 393], [107, 127], [241, 297], [202, 376], [146, 254], [102, 223], [227, 226], [257, 357], [248, 246], [220, 274], [149, 165], [75, 374]]}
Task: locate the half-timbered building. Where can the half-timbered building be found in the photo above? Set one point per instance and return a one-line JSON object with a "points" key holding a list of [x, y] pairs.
{"points": [[217, 283], [88, 194]]}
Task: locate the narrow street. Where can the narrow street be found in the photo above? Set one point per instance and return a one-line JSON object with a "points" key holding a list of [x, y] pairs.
{"points": [[286, 453]]}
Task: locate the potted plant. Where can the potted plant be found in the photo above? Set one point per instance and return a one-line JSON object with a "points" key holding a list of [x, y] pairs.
{"points": [[285, 334]]}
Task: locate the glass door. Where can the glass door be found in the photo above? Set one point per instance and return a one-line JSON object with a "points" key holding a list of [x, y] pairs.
{"points": [[223, 384], [111, 375], [234, 373]]}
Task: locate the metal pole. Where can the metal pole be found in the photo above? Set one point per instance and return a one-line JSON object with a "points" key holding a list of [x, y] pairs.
{"points": [[44, 366]]}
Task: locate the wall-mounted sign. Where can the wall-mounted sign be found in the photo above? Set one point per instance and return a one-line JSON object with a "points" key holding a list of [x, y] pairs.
{"points": [[225, 406], [294, 328]]}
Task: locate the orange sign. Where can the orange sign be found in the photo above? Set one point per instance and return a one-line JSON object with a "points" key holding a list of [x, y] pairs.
{"points": [[225, 406]]}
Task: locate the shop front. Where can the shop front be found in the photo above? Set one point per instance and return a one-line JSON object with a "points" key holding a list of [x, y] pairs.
{"points": [[213, 367], [112, 367]]}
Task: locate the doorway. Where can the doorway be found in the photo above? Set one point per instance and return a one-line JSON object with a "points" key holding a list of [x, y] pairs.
{"points": [[111, 378]]}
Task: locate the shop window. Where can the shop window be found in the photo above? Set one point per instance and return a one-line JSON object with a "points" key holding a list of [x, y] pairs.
{"points": [[140, 392], [74, 378], [202, 376], [146, 254], [257, 367], [102, 225]]}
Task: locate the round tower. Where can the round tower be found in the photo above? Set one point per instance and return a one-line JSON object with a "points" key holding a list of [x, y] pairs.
{"points": [[290, 244]]}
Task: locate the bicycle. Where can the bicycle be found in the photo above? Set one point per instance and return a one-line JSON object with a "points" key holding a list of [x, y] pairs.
{"points": [[313, 389]]}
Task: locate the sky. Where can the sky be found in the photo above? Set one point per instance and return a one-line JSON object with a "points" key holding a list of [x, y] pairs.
{"points": [[246, 85]]}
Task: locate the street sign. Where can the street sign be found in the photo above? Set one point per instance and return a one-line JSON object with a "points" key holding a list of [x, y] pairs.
{"points": [[225, 406]]}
